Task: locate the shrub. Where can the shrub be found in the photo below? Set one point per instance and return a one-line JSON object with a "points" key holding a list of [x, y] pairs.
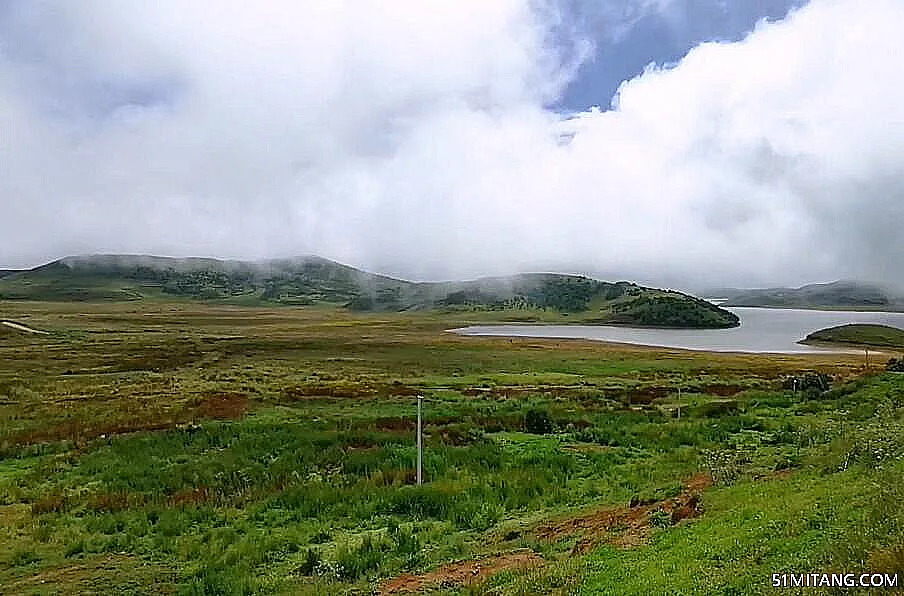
{"points": [[73, 549], [725, 465], [895, 365], [660, 518], [24, 557], [357, 561], [537, 422], [407, 546], [812, 383], [311, 562]]}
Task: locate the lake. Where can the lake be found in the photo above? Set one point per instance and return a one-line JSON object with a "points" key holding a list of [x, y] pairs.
{"points": [[775, 330]]}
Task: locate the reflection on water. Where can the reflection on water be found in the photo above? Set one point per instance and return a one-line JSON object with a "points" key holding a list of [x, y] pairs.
{"points": [[762, 330]]}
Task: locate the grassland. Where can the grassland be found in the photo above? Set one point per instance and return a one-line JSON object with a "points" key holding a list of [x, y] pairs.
{"points": [[859, 334], [188, 448]]}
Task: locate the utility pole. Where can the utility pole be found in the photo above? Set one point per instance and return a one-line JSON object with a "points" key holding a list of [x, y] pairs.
{"points": [[867, 360], [420, 443], [679, 403]]}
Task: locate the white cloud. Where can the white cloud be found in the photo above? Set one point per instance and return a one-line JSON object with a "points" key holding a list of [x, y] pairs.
{"points": [[414, 137]]}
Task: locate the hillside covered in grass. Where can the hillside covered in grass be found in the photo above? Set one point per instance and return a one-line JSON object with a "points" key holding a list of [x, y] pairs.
{"points": [[859, 334], [314, 280]]}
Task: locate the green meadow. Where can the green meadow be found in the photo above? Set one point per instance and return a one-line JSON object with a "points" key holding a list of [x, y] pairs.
{"points": [[179, 447]]}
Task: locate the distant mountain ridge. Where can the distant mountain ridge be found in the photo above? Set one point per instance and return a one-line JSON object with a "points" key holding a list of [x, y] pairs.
{"points": [[837, 294], [314, 280], [303, 280]]}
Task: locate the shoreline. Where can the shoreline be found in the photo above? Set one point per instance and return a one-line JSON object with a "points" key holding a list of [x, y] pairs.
{"points": [[818, 350]]}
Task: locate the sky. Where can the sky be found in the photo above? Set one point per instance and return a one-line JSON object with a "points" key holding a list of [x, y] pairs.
{"points": [[689, 143]]}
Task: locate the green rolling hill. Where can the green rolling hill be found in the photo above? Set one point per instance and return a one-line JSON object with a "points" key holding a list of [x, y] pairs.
{"points": [[837, 294], [314, 280], [859, 334]]}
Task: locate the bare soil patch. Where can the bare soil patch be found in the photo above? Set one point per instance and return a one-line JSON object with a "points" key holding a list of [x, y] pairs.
{"points": [[625, 527], [461, 573], [723, 389], [221, 406], [212, 406]]}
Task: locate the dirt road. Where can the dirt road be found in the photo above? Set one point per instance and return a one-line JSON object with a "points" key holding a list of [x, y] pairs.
{"points": [[21, 327]]}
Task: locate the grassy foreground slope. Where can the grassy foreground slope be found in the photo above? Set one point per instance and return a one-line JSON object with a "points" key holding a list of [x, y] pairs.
{"points": [[195, 448], [859, 334], [313, 280]]}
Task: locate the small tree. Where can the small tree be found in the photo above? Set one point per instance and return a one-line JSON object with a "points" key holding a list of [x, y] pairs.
{"points": [[537, 422]]}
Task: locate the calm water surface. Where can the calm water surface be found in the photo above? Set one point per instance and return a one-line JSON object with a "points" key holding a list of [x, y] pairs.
{"points": [[762, 330]]}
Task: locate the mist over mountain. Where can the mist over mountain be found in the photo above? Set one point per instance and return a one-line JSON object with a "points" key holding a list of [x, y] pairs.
{"points": [[312, 280], [838, 294]]}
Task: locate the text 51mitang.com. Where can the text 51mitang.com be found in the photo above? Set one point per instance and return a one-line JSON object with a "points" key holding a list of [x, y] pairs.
{"points": [[835, 580]]}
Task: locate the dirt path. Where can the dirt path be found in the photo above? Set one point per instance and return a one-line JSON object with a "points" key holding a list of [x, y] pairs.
{"points": [[21, 327], [461, 573], [625, 527]]}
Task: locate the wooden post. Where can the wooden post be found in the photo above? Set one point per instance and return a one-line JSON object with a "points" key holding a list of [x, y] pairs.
{"points": [[420, 443]]}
